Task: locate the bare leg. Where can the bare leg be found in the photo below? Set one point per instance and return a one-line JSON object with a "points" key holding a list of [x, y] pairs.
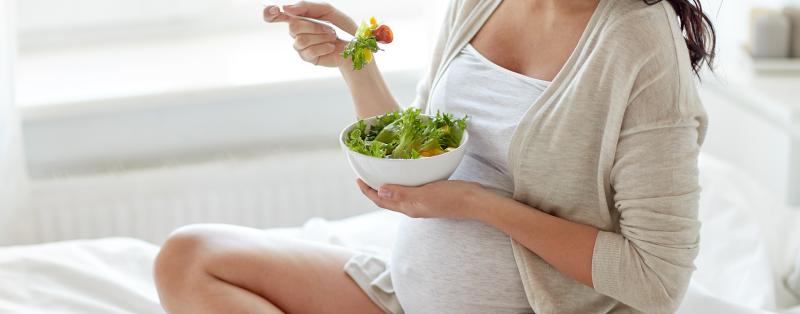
{"points": [[229, 269]]}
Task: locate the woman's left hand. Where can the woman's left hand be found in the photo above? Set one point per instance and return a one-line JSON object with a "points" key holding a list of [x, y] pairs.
{"points": [[451, 199]]}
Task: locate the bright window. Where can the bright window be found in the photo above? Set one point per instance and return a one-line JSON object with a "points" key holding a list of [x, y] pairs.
{"points": [[86, 50]]}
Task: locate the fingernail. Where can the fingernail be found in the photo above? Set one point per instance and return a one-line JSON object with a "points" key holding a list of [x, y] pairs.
{"points": [[274, 10], [385, 193]]}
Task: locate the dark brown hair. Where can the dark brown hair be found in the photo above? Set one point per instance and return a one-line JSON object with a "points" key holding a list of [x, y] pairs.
{"points": [[701, 38]]}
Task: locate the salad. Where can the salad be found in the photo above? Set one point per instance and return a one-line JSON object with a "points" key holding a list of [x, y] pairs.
{"points": [[361, 48], [407, 135]]}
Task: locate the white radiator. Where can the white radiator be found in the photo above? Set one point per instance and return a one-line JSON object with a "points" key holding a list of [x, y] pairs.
{"points": [[282, 189]]}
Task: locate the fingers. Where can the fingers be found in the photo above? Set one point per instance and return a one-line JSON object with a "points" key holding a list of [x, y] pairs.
{"points": [[335, 58], [322, 11], [367, 190], [396, 192], [320, 49], [303, 41], [313, 53], [315, 10], [273, 15], [299, 26], [316, 42], [373, 196]]}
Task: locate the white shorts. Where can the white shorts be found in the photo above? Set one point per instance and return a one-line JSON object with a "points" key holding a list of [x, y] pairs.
{"points": [[371, 273]]}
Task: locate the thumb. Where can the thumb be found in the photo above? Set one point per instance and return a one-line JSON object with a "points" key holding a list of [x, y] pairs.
{"points": [[395, 192], [272, 14], [324, 12]]}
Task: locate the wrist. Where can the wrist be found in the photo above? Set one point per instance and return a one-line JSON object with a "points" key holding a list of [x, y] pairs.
{"points": [[345, 64], [346, 67], [481, 204]]}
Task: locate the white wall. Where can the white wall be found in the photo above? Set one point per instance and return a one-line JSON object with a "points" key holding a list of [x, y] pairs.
{"points": [[12, 173]]}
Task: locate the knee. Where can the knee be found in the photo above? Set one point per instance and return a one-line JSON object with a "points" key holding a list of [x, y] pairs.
{"points": [[182, 253]]}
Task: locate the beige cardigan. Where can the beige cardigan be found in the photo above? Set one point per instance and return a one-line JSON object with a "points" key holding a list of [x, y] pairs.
{"points": [[612, 143]]}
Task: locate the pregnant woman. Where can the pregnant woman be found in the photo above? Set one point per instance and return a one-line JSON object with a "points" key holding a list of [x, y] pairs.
{"points": [[578, 194]]}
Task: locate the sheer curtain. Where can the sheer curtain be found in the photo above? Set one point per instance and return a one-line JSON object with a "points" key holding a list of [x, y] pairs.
{"points": [[13, 179]]}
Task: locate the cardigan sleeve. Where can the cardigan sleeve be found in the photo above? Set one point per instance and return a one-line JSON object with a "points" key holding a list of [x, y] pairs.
{"points": [[648, 262]]}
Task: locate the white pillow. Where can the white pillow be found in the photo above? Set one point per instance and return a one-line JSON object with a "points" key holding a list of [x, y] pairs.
{"points": [[747, 239]]}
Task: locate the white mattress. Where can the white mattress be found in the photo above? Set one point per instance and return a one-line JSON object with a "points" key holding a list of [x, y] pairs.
{"points": [[748, 242]]}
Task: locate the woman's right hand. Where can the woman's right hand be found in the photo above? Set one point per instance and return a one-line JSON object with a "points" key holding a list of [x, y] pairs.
{"points": [[316, 43]]}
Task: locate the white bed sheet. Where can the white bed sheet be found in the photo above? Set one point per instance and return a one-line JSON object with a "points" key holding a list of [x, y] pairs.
{"points": [[87, 276], [747, 243]]}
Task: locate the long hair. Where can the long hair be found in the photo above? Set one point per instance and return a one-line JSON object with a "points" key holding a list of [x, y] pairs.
{"points": [[701, 38]]}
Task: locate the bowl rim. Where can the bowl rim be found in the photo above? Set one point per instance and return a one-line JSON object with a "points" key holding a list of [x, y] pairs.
{"points": [[464, 140]]}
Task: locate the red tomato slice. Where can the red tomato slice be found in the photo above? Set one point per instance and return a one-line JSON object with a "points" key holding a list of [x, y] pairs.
{"points": [[383, 34]]}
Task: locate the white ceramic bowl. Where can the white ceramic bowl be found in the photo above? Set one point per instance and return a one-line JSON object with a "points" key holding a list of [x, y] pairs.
{"points": [[409, 172]]}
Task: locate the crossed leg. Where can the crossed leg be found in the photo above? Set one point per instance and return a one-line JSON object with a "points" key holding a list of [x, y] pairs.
{"points": [[231, 269]]}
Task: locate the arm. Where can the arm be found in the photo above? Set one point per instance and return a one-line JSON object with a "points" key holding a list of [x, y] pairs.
{"points": [[649, 263], [370, 94], [566, 245], [318, 44]]}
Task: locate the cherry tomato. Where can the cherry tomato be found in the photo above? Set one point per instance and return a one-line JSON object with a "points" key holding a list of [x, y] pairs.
{"points": [[383, 34]]}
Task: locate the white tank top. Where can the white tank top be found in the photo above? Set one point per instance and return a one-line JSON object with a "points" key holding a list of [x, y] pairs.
{"points": [[464, 266]]}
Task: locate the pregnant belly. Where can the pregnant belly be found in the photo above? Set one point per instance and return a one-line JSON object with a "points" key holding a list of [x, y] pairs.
{"points": [[455, 266]]}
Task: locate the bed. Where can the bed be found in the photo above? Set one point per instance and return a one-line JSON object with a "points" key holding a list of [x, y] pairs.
{"points": [[743, 264]]}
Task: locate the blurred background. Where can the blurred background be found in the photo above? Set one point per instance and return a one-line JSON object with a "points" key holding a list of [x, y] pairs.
{"points": [[136, 117], [141, 116]]}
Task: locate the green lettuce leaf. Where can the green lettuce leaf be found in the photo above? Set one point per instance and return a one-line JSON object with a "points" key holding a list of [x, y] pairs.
{"points": [[407, 135]]}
